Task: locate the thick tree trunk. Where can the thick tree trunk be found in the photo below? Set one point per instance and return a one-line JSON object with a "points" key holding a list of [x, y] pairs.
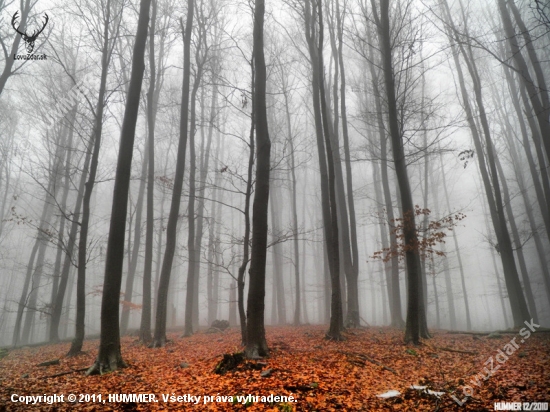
{"points": [[109, 357]]}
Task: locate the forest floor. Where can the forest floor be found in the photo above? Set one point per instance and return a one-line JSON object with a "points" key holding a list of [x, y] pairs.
{"points": [[312, 373]]}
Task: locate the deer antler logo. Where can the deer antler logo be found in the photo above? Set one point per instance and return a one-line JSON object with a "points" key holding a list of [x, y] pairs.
{"points": [[29, 40]]}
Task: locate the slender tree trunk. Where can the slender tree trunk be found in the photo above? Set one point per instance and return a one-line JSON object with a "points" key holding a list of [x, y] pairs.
{"points": [[256, 344], [133, 261], [537, 95], [247, 197], [517, 240], [109, 357], [292, 173], [164, 282], [491, 183], [393, 282], [191, 292], [69, 251], [8, 62], [62, 218], [78, 340], [543, 197], [416, 318], [277, 258], [152, 100]]}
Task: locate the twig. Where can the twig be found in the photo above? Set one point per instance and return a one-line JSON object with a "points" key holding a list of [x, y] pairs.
{"points": [[371, 360], [64, 373], [467, 352]]}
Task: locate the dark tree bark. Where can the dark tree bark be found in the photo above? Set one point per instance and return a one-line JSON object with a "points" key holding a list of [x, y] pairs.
{"points": [[538, 94], [133, 258], [9, 60], [108, 44], [314, 37], [159, 338], [109, 357], [69, 249], [541, 185], [457, 249], [256, 344], [193, 264], [394, 285], [152, 100], [491, 182], [62, 218], [517, 240], [292, 172], [416, 326]]}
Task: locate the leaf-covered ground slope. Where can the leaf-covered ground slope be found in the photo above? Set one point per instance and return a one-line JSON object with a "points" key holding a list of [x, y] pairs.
{"points": [[320, 375]]}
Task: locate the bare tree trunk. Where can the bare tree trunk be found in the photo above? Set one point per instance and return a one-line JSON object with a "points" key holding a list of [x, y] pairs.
{"points": [[213, 234], [108, 44], [538, 95], [69, 250], [43, 239], [8, 58], [314, 16], [192, 280], [292, 173], [256, 344], [277, 258], [491, 183], [164, 282], [109, 357], [62, 217], [543, 197], [416, 326], [517, 240], [393, 281], [247, 197], [152, 101], [133, 260], [446, 271]]}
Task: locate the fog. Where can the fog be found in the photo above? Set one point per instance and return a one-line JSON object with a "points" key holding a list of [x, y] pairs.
{"points": [[481, 239]]}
